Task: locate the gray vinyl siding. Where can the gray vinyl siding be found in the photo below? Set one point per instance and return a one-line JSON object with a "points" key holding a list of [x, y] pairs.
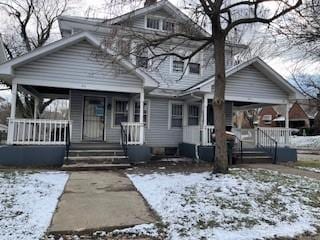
{"points": [[80, 65], [76, 114], [250, 82], [228, 110], [158, 133]]}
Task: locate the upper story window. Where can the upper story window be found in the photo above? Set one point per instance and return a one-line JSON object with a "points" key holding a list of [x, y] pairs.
{"points": [[168, 26], [159, 23], [194, 68], [142, 58], [177, 66], [153, 23]]}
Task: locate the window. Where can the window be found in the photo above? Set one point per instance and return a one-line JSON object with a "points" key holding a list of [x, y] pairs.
{"points": [[137, 112], [120, 112], [153, 23], [176, 115], [194, 68], [177, 66], [193, 115], [167, 26], [267, 119], [142, 61]]}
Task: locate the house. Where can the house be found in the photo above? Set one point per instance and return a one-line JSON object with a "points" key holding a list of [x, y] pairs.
{"points": [[301, 116], [120, 99]]}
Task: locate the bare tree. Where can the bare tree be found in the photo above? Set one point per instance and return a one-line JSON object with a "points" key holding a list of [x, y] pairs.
{"points": [[31, 24], [220, 18]]}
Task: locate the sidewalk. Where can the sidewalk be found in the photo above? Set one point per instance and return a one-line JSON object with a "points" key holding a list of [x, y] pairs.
{"points": [[99, 201]]}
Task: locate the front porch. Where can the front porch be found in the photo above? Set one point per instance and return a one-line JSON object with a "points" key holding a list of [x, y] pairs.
{"points": [[97, 117]]}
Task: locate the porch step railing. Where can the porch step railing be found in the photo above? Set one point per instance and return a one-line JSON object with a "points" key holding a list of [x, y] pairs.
{"points": [[38, 131], [134, 133], [267, 143], [281, 135]]}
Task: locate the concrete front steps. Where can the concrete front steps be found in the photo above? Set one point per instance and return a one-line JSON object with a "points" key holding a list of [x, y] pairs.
{"points": [[85, 157], [251, 156]]}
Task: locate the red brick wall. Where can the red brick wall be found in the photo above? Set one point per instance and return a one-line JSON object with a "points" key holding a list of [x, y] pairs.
{"points": [[296, 112]]}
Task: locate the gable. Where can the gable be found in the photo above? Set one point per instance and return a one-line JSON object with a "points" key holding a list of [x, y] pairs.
{"points": [[296, 112], [78, 66], [252, 84]]}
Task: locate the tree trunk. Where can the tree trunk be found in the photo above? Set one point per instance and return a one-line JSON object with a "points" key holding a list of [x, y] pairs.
{"points": [[221, 156]]}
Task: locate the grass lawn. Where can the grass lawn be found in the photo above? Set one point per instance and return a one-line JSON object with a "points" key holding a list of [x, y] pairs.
{"points": [[245, 204], [309, 165], [27, 202]]}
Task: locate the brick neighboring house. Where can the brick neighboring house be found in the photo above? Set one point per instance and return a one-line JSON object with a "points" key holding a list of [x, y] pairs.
{"points": [[300, 116]]}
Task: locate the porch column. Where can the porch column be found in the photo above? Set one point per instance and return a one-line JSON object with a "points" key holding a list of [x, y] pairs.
{"points": [[205, 118], [287, 125], [36, 107], [13, 100], [12, 113], [141, 117]]}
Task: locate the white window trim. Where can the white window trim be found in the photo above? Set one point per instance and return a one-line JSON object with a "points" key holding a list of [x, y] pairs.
{"points": [[114, 99], [171, 66], [148, 110], [161, 19], [199, 117], [201, 64], [170, 111]]}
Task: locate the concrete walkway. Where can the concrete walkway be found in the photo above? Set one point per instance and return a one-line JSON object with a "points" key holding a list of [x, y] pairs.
{"points": [[99, 201], [284, 169]]}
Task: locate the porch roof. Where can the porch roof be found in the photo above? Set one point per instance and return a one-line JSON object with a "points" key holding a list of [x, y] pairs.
{"points": [[7, 69], [259, 64]]}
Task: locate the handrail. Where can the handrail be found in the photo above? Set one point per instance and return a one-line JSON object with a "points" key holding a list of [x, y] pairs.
{"points": [[241, 147], [269, 144], [124, 139], [68, 141]]}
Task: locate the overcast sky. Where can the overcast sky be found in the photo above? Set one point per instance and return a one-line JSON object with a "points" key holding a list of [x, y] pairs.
{"points": [[97, 8]]}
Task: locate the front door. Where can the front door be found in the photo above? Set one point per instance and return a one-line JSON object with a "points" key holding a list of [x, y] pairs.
{"points": [[93, 119]]}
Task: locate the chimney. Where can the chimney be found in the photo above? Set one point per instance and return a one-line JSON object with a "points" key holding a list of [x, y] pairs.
{"points": [[148, 3]]}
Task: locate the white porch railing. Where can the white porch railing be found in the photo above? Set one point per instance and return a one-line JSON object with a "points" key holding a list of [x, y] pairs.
{"points": [[191, 134], [207, 132], [134, 132], [37, 131], [281, 135]]}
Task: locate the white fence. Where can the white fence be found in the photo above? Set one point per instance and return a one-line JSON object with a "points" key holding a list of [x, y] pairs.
{"points": [[37, 131], [281, 135], [134, 132], [191, 134]]}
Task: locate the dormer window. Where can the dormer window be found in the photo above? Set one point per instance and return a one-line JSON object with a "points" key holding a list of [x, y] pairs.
{"points": [[153, 23], [159, 23], [168, 26]]}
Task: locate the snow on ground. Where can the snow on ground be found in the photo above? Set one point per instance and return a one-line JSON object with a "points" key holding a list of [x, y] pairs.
{"points": [[305, 142], [245, 204], [28, 200]]}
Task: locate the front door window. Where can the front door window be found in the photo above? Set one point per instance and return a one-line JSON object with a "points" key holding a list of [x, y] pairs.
{"points": [[93, 118]]}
